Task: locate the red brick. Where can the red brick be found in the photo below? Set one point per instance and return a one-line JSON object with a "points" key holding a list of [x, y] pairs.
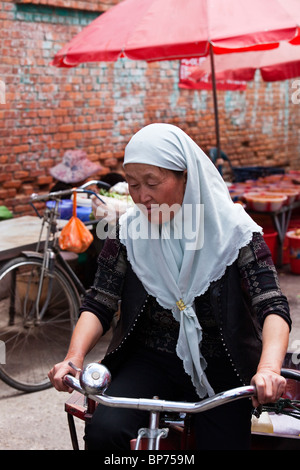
{"points": [[111, 162], [66, 128], [12, 184], [43, 180], [20, 175]]}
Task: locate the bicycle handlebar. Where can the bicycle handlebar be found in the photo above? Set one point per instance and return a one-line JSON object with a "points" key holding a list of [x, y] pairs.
{"points": [[67, 192], [156, 404], [95, 377], [99, 184]]}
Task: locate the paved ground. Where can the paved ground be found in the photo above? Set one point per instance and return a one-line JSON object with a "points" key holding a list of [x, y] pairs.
{"points": [[37, 421]]}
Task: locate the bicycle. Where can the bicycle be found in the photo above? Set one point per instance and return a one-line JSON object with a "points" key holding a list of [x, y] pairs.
{"points": [[94, 379], [39, 303]]}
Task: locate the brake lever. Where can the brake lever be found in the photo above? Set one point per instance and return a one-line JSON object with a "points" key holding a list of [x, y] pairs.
{"points": [[74, 367]]}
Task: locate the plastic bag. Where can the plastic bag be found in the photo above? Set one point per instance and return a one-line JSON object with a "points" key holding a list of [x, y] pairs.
{"points": [[75, 236], [5, 213]]}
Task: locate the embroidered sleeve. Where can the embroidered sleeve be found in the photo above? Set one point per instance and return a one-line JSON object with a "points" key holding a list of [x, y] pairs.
{"points": [[105, 293], [260, 280]]}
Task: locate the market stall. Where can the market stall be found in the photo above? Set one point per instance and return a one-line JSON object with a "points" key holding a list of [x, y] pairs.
{"points": [[274, 202]]}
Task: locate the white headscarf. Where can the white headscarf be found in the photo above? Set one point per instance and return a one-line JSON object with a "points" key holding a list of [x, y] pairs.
{"points": [[177, 268]]}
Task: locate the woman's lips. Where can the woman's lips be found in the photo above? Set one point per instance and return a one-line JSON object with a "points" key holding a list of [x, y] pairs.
{"points": [[148, 208]]}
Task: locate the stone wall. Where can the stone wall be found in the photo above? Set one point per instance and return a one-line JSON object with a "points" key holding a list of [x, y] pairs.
{"points": [[97, 107]]}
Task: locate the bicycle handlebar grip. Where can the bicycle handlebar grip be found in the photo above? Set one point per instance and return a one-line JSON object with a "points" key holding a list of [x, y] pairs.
{"points": [[99, 184], [102, 184], [291, 374]]}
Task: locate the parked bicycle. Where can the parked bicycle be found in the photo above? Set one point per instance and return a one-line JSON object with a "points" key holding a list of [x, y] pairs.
{"points": [[39, 302], [162, 433]]}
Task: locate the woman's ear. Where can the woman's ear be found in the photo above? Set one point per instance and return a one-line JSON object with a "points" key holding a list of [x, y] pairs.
{"points": [[185, 176]]}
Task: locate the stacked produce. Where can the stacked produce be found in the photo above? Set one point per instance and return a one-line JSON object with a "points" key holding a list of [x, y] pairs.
{"points": [[268, 193], [115, 202]]}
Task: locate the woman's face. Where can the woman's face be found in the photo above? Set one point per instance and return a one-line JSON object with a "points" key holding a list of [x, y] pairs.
{"points": [[151, 187]]}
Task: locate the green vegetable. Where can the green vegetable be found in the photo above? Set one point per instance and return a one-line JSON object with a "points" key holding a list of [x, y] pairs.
{"points": [[104, 192]]}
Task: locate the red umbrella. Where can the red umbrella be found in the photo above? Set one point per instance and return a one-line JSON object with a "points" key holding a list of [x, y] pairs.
{"points": [[174, 29], [193, 75], [277, 64]]}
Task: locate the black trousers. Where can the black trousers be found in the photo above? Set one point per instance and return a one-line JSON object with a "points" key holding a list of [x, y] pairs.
{"points": [[145, 374]]}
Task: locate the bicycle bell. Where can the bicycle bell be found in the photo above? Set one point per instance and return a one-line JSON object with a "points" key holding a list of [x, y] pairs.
{"points": [[94, 378]]}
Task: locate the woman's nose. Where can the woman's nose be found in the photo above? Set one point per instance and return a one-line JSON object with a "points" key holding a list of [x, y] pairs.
{"points": [[144, 196]]}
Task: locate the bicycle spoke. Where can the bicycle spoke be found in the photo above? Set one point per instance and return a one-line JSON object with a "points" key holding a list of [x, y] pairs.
{"points": [[33, 343]]}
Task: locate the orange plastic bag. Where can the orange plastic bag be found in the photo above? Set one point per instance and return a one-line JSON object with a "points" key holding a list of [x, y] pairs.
{"points": [[75, 236]]}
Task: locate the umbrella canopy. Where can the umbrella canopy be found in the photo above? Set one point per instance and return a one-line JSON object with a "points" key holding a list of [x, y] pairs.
{"points": [[154, 30], [173, 29], [193, 75], [278, 64]]}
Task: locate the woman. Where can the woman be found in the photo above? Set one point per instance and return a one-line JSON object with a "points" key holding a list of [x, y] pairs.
{"points": [[198, 291]]}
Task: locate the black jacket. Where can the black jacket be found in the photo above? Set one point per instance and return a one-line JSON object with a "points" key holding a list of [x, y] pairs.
{"points": [[239, 328], [238, 302]]}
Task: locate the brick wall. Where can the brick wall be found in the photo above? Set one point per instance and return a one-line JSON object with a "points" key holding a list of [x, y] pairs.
{"points": [[97, 107]]}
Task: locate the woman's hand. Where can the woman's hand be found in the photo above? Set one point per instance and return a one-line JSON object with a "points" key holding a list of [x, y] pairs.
{"points": [[87, 332], [57, 373], [269, 383], [270, 386]]}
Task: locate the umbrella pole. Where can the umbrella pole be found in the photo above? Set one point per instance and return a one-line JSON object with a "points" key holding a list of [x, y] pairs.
{"points": [[214, 89]]}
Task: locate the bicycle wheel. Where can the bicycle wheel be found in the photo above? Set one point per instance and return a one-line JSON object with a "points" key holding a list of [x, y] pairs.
{"points": [[34, 335]]}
